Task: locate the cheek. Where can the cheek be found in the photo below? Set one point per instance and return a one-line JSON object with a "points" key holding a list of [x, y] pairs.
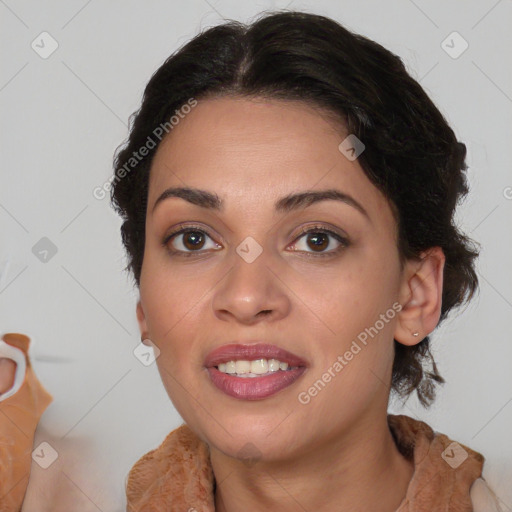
{"points": [[355, 305], [174, 303], [353, 295], [169, 295], [182, 390]]}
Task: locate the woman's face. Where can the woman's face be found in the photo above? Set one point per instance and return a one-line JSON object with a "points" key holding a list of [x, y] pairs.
{"points": [[246, 273]]}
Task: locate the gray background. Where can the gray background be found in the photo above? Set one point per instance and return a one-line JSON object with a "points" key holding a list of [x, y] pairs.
{"points": [[62, 118]]}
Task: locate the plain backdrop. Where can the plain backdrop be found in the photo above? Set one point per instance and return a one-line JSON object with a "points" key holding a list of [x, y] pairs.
{"points": [[62, 118]]}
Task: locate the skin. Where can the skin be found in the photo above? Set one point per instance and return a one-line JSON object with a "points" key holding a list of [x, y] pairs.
{"points": [[337, 448]]}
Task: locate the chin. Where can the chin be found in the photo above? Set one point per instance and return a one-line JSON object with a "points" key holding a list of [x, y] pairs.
{"points": [[258, 436], [249, 450]]}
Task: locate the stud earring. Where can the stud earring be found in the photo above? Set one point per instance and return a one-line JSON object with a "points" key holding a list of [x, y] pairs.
{"points": [[415, 334]]}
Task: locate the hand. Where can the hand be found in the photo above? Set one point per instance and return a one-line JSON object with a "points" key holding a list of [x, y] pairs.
{"points": [[7, 371]]}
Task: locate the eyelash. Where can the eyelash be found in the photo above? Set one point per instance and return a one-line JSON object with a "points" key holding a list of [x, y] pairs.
{"points": [[344, 242]]}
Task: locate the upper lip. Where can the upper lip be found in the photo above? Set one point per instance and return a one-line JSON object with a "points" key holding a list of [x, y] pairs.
{"points": [[237, 351]]}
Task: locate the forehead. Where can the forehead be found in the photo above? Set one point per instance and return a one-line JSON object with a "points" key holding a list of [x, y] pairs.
{"points": [[228, 128], [252, 151]]}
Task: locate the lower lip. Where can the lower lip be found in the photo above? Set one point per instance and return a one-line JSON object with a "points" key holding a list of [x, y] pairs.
{"points": [[254, 388]]}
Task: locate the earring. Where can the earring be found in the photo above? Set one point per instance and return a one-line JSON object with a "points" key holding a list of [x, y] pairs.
{"points": [[415, 334]]}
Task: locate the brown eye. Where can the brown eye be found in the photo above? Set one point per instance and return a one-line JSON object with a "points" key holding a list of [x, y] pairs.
{"points": [[187, 241], [193, 240], [316, 240]]}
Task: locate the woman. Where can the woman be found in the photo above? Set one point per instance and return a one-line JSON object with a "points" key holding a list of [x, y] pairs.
{"points": [[288, 193]]}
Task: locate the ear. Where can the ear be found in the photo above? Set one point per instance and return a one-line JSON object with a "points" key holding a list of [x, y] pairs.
{"points": [[421, 297], [141, 319]]}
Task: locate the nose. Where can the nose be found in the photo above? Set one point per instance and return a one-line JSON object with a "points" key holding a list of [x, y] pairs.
{"points": [[251, 293]]}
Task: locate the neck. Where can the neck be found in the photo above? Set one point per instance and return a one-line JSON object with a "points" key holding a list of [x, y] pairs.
{"points": [[362, 469]]}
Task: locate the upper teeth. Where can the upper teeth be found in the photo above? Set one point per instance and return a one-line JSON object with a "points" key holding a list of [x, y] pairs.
{"points": [[258, 367]]}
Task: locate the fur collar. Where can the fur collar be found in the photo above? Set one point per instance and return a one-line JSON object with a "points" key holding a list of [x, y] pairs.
{"points": [[177, 476]]}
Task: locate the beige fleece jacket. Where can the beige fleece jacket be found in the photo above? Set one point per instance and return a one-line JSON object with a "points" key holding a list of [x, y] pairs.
{"points": [[177, 476]]}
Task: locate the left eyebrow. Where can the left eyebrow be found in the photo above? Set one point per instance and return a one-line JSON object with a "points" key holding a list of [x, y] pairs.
{"points": [[286, 204], [304, 199]]}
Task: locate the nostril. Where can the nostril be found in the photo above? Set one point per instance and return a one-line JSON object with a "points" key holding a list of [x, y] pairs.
{"points": [[7, 372]]}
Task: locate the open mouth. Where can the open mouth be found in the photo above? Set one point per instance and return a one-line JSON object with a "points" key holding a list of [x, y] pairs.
{"points": [[253, 371], [256, 368]]}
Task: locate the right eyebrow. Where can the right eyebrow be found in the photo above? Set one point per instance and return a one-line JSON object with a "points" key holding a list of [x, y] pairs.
{"points": [[196, 196]]}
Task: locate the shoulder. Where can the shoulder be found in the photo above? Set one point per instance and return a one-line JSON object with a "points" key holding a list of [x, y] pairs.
{"points": [[483, 498], [178, 470]]}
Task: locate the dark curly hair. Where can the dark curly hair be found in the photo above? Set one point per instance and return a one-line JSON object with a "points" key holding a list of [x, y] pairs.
{"points": [[411, 154]]}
